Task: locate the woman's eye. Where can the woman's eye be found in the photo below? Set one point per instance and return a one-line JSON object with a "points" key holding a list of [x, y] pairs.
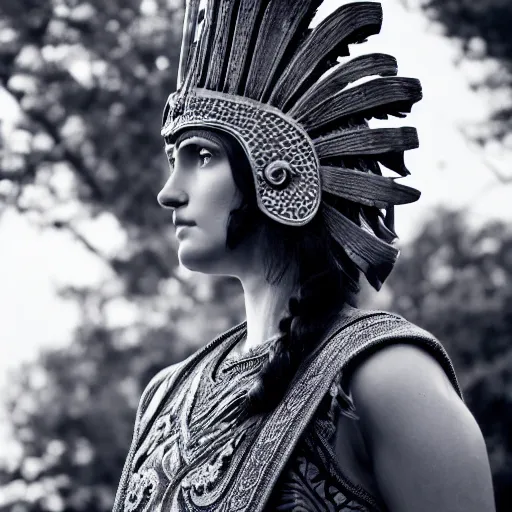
{"points": [[204, 156], [172, 162]]}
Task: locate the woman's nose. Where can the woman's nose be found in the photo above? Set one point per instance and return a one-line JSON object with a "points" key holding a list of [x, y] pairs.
{"points": [[170, 197]]}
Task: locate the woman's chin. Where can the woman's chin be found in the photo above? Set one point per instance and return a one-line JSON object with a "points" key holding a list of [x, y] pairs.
{"points": [[197, 260]]}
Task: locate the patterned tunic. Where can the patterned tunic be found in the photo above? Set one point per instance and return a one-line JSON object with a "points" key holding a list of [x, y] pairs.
{"points": [[198, 438]]}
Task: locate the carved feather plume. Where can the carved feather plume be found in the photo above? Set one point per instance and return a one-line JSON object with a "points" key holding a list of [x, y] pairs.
{"points": [[375, 64], [281, 25], [189, 29], [376, 98], [380, 226], [365, 188], [217, 62], [244, 36], [207, 40], [349, 24], [385, 144], [374, 257]]}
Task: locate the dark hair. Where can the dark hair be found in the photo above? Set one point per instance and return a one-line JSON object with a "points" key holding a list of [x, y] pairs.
{"points": [[327, 278]]}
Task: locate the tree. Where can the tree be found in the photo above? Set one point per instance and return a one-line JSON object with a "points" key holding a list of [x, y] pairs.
{"points": [[456, 282], [483, 28]]}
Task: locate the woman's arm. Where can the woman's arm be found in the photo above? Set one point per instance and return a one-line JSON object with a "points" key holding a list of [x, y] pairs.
{"points": [[427, 450]]}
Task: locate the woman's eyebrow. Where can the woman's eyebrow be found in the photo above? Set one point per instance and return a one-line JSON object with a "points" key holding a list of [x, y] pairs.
{"points": [[199, 142]]}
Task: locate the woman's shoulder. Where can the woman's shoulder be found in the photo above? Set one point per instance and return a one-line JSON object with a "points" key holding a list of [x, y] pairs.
{"points": [[400, 370], [371, 338], [413, 420], [389, 356], [397, 358]]}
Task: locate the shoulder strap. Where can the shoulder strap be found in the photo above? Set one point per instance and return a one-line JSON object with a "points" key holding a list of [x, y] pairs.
{"points": [[351, 337]]}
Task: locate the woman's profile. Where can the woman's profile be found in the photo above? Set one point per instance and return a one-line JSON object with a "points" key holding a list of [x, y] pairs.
{"points": [[310, 404]]}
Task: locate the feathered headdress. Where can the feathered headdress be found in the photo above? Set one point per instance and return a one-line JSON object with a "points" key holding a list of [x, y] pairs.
{"points": [[254, 69]]}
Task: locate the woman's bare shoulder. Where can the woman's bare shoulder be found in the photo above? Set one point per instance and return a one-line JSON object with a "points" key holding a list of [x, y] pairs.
{"points": [[395, 368], [425, 446]]}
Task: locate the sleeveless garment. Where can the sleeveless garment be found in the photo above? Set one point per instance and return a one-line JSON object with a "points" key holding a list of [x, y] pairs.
{"points": [[193, 449]]}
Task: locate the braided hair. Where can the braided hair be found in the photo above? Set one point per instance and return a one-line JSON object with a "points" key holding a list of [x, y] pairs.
{"points": [[327, 279]]}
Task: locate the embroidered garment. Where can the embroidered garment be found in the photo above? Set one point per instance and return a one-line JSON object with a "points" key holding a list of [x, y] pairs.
{"points": [[198, 438], [312, 480], [195, 449]]}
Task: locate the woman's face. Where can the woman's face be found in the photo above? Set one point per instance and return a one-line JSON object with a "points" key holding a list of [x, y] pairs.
{"points": [[202, 192]]}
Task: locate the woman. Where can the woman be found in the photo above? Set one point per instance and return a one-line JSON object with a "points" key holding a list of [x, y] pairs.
{"points": [[310, 404]]}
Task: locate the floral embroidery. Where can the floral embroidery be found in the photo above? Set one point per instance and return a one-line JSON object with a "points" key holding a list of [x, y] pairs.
{"points": [[141, 491]]}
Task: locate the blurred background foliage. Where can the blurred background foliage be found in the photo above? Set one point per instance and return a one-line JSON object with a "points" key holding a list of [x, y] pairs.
{"points": [[482, 27], [90, 79]]}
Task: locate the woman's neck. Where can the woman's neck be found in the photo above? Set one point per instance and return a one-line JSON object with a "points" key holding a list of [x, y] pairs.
{"points": [[265, 306]]}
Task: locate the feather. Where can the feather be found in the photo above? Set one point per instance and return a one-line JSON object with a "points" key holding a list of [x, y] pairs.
{"points": [[189, 28], [365, 188], [245, 32], [281, 23], [395, 161], [377, 223], [207, 39], [387, 144], [190, 79], [221, 41], [348, 24], [374, 257], [376, 64], [382, 95], [389, 219]]}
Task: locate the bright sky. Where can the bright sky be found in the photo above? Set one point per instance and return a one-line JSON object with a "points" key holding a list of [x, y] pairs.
{"points": [[444, 168]]}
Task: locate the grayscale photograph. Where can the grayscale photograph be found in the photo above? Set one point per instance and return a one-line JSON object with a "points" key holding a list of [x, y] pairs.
{"points": [[255, 256]]}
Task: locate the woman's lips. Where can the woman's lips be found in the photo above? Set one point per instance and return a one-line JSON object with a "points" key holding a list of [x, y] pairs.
{"points": [[182, 229]]}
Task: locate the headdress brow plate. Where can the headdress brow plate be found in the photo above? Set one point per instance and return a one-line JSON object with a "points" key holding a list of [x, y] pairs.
{"points": [[282, 156]]}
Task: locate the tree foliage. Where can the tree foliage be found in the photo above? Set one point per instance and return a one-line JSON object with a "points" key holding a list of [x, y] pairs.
{"points": [[483, 28], [456, 282]]}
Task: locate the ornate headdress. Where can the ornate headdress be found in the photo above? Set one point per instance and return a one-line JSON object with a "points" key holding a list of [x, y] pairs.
{"points": [[255, 70]]}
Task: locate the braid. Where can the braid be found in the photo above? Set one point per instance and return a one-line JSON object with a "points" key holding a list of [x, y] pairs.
{"points": [[327, 279], [323, 289]]}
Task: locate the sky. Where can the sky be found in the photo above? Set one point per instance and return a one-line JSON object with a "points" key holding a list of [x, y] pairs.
{"points": [[446, 169]]}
